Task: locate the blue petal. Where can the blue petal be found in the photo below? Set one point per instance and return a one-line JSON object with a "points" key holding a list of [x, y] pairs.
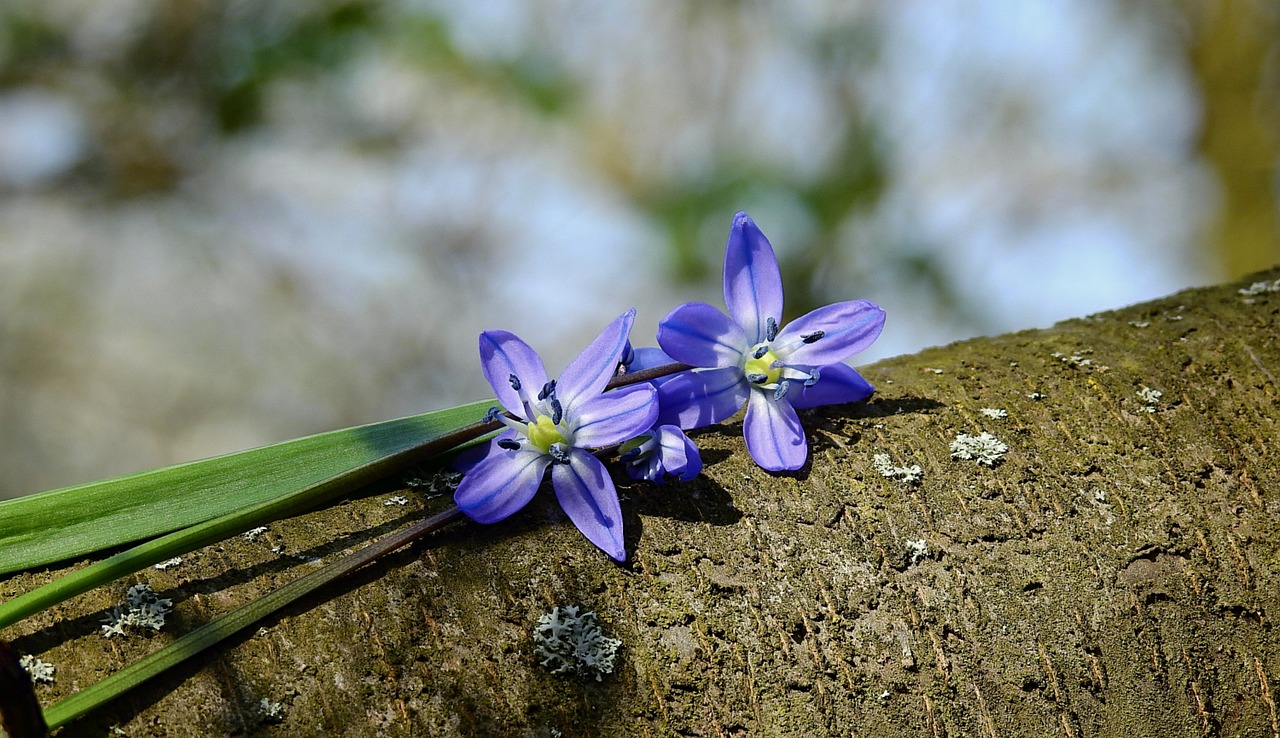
{"points": [[503, 354], [647, 357], [467, 459], [700, 335], [501, 484], [613, 417], [696, 398], [847, 328], [752, 282], [774, 436], [588, 497], [837, 384], [680, 456], [586, 376]]}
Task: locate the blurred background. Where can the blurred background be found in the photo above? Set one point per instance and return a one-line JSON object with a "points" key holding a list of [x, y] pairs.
{"points": [[224, 224]]}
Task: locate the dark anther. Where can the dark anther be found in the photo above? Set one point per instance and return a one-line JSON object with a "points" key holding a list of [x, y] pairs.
{"points": [[492, 414], [811, 337], [783, 386], [515, 382], [559, 453], [760, 352], [548, 389], [770, 329], [509, 444], [814, 376], [757, 378], [557, 412]]}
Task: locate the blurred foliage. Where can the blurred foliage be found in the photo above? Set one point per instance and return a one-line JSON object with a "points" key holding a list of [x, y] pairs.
{"points": [[662, 118], [1235, 51]]}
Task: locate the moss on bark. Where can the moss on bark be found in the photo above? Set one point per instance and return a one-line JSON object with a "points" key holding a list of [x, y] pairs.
{"points": [[1113, 574]]}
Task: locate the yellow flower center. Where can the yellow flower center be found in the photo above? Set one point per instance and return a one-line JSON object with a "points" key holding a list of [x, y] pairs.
{"points": [[763, 365], [543, 434]]}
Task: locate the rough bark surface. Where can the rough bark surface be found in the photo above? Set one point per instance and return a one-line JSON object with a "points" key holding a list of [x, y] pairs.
{"points": [[1113, 575]]}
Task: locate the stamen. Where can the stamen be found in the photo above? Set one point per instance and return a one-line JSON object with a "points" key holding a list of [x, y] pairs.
{"points": [[757, 378], [557, 412], [509, 444], [811, 337], [761, 350], [515, 382], [548, 389], [770, 330], [814, 376], [492, 414], [559, 453], [781, 391]]}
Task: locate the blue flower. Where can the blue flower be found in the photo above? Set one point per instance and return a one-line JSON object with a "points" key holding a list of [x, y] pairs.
{"points": [[745, 357], [664, 450], [661, 452], [559, 420]]}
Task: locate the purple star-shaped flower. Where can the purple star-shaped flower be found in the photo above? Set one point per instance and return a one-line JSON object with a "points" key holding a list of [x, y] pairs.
{"points": [[558, 421], [745, 357]]}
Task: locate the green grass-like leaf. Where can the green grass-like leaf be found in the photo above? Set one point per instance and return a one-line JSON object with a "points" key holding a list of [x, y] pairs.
{"points": [[75, 521]]}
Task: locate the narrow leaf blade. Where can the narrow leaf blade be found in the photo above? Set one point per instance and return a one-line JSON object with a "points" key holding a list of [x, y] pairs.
{"points": [[74, 521]]}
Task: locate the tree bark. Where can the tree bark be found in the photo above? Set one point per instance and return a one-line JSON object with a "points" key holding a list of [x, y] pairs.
{"points": [[1114, 574]]}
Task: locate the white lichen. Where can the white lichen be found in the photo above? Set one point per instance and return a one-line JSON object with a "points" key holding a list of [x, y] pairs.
{"points": [[397, 500], [983, 448], [1258, 288], [917, 550], [253, 533], [1139, 323], [39, 670], [1076, 360], [163, 565], [568, 641], [271, 712], [994, 413], [1150, 399], [142, 608], [905, 474], [1037, 396]]}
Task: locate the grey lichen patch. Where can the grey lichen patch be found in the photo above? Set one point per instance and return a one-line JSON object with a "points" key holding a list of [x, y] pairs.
{"points": [[568, 641], [885, 467], [1150, 399], [39, 670], [1261, 288], [984, 448], [270, 712], [142, 608]]}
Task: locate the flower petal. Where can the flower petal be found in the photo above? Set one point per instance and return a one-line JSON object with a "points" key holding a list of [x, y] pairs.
{"points": [[699, 334], [587, 495], [647, 357], [836, 384], [501, 484], [503, 354], [680, 456], [693, 399], [586, 376], [847, 328], [774, 436], [752, 282], [467, 459], [613, 417]]}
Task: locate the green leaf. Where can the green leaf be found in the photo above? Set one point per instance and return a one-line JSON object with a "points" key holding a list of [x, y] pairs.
{"points": [[74, 521]]}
